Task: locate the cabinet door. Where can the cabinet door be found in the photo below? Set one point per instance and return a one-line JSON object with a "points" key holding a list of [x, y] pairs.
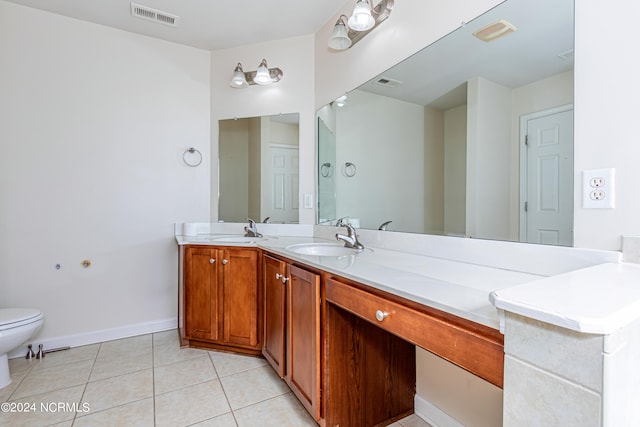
{"points": [[240, 289], [274, 279], [201, 294], [303, 357]]}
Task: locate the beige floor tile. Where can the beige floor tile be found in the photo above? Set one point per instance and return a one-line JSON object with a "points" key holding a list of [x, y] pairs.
{"points": [[20, 365], [166, 337], [120, 365], [191, 405], [229, 363], [135, 414], [52, 378], [7, 391], [281, 411], [183, 374], [105, 394], [226, 420], [252, 386], [171, 353], [73, 355], [43, 408], [140, 344], [413, 421]]}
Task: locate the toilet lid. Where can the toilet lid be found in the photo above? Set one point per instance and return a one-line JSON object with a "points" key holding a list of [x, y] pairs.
{"points": [[12, 317]]}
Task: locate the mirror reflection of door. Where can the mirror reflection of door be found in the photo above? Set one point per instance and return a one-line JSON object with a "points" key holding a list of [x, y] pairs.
{"points": [[282, 206], [547, 177], [249, 185]]}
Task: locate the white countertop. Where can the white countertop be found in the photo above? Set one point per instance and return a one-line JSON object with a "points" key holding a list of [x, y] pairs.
{"points": [[598, 300], [583, 290], [456, 287]]}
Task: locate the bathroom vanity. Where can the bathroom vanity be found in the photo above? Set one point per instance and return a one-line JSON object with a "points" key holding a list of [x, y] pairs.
{"points": [[341, 328]]}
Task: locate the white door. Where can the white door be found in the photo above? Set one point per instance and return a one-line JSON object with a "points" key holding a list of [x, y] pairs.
{"points": [[283, 206], [546, 190]]}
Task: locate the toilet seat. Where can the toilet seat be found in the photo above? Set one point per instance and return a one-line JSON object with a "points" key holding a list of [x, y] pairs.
{"points": [[15, 317]]}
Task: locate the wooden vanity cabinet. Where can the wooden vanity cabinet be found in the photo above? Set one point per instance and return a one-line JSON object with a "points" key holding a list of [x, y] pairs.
{"points": [[222, 299], [292, 329], [275, 293], [303, 338]]}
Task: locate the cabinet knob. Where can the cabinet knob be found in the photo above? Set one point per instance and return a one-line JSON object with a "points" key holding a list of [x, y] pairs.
{"points": [[225, 261], [381, 315], [278, 275], [284, 279], [211, 261]]}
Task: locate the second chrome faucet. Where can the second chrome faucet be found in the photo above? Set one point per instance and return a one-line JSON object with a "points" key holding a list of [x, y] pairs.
{"points": [[351, 239]]}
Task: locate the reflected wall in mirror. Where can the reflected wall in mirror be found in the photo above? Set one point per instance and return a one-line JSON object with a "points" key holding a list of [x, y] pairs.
{"points": [[259, 168], [465, 138]]}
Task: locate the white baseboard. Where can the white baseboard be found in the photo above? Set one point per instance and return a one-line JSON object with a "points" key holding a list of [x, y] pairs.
{"points": [[94, 337], [432, 414]]}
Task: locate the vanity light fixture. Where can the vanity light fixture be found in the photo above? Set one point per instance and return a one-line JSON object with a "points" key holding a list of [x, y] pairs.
{"points": [[262, 76], [365, 17]]}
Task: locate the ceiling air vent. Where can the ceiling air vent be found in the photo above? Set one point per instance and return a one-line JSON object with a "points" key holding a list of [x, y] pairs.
{"points": [[388, 81], [150, 14]]}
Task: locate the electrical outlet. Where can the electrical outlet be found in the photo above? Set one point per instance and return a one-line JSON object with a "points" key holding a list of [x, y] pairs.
{"points": [[598, 189]]}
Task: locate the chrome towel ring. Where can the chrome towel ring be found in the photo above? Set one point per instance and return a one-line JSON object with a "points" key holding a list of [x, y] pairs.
{"points": [[192, 157]]}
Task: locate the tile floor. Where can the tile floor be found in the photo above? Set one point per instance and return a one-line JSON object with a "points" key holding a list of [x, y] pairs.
{"points": [[149, 381]]}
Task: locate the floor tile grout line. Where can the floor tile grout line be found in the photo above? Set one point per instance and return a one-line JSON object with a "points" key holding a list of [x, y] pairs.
{"points": [[84, 390], [222, 387]]}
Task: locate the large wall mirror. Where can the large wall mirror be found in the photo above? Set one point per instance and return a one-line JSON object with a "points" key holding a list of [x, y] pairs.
{"points": [[465, 138], [258, 167]]}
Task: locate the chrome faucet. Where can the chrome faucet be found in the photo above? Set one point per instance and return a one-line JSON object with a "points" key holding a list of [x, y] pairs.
{"points": [[351, 239], [383, 226], [251, 230]]}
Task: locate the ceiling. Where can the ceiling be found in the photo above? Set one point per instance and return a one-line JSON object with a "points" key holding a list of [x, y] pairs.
{"points": [[205, 24], [436, 76]]}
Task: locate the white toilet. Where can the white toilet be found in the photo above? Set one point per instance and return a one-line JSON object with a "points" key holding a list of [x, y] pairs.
{"points": [[17, 326]]}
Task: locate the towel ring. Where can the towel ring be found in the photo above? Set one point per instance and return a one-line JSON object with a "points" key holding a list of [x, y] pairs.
{"points": [[192, 157], [350, 169], [325, 170]]}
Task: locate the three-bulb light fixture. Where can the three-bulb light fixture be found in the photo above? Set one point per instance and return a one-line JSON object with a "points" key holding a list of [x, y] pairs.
{"points": [[263, 76], [365, 17]]}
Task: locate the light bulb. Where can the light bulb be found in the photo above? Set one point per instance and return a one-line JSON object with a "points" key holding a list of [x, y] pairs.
{"points": [[361, 19], [262, 75]]}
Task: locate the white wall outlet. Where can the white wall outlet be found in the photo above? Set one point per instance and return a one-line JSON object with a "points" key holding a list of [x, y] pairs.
{"points": [[598, 189]]}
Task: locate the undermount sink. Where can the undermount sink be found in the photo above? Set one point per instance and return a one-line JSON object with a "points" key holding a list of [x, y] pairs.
{"points": [[321, 249]]}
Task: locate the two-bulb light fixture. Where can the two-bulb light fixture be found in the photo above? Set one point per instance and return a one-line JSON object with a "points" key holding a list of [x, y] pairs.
{"points": [[263, 76], [365, 17]]}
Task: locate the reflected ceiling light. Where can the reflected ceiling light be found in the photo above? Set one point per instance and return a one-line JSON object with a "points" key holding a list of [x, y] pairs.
{"points": [[262, 76], [341, 100], [365, 18]]}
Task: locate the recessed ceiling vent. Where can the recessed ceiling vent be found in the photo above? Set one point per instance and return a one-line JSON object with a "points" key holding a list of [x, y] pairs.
{"points": [[388, 82], [150, 14], [494, 31]]}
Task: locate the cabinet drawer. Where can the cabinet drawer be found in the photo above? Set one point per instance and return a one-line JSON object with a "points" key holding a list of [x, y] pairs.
{"points": [[476, 348]]}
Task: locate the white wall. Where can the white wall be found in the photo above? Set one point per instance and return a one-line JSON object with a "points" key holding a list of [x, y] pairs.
{"points": [[293, 94], [455, 170], [93, 125], [434, 171], [607, 101], [388, 184], [488, 156]]}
